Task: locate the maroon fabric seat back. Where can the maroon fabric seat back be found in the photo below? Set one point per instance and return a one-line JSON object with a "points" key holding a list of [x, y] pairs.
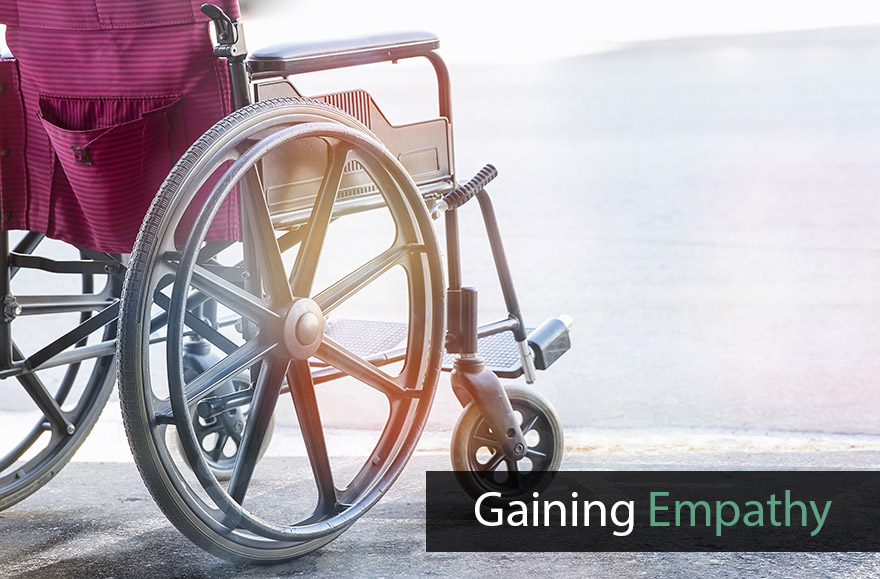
{"points": [[101, 99]]}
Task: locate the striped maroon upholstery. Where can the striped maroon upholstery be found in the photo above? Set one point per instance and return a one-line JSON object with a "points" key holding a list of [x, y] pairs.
{"points": [[106, 96]]}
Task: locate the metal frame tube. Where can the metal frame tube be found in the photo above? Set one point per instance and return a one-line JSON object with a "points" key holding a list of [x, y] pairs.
{"points": [[5, 321], [501, 266], [444, 86], [453, 250]]}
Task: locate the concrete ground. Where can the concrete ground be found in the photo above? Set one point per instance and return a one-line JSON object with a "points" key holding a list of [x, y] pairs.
{"points": [[97, 520]]}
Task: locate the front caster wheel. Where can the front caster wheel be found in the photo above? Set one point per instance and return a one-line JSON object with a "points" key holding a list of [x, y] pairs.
{"points": [[481, 467]]}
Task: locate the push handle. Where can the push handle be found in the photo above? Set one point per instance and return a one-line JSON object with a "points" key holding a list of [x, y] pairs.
{"points": [[230, 43], [222, 23], [464, 193]]}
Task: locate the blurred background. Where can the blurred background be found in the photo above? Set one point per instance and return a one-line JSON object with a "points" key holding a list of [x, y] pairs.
{"points": [[695, 183], [496, 31]]}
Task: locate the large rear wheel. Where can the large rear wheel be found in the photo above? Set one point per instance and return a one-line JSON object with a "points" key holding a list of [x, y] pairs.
{"points": [[62, 339], [307, 260]]}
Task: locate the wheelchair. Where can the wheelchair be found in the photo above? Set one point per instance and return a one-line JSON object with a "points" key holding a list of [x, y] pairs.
{"points": [[292, 252]]}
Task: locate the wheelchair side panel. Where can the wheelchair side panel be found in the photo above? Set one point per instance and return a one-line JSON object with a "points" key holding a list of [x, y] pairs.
{"points": [[13, 176], [423, 148], [110, 104]]}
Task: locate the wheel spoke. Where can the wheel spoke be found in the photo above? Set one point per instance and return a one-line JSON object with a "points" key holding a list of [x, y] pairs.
{"points": [[216, 453], [336, 294], [337, 356], [232, 296], [290, 239], [160, 320], [528, 427], [224, 370], [302, 390], [262, 408], [44, 401], [201, 328], [215, 426], [495, 462], [486, 441], [266, 253], [210, 250], [533, 452], [302, 276]]}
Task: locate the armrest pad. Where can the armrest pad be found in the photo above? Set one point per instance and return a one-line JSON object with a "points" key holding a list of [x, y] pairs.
{"points": [[295, 58]]}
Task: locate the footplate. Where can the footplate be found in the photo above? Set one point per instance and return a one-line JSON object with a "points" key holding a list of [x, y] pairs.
{"points": [[500, 353], [548, 342], [366, 338]]}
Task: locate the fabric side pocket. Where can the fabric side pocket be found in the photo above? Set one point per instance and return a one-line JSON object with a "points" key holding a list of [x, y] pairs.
{"points": [[114, 152]]}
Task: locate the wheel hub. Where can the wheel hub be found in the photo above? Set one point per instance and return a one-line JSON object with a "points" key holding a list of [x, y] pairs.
{"points": [[303, 328]]}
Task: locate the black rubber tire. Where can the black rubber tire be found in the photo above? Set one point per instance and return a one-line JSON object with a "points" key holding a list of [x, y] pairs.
{"points": [[206, 521], [81, 391], [480, 469]]}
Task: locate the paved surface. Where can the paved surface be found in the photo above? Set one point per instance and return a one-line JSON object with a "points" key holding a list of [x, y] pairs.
{"points": [[97, 520]]}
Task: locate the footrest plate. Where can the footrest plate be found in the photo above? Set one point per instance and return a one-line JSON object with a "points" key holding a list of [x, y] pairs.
{"points": [[500, 353], [367, 337]]}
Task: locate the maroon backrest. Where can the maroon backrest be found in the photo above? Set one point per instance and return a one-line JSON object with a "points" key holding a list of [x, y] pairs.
{"points": [[102, 98]]}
